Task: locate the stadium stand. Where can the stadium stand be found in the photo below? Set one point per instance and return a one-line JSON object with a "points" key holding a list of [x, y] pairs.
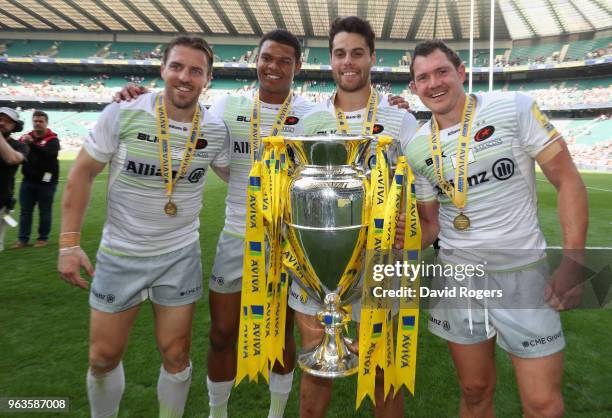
{"points": [[581, 49], [389, 57], [28, 48], [481, 56], [539, 53], [78, 49], [232, 53], [318, 56], [519, 55]]}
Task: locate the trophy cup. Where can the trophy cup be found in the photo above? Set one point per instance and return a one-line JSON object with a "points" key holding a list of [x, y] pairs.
{"points": [[325, 223], [316, 204]]}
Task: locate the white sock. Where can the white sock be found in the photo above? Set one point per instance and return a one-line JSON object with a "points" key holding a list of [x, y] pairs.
{"points": [[104, 392], [218, 395], [280, 386], [172, 391]]}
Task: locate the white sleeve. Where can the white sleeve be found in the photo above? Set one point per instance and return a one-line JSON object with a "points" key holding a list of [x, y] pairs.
{"points": [[407, 130], [223, 158], [103, 139], [424, 190], [217, 107], [535, 130]]}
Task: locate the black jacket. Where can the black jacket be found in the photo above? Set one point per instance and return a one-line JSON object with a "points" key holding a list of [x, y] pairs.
{"points": [[42, 158]]}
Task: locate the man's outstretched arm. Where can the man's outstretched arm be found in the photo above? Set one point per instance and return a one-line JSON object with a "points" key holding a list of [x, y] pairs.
{"points": [[74, 205]]}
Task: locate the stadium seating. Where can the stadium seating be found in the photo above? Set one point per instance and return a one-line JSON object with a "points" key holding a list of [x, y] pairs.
{"points": [[578, 50], [131, 50], [19, 48], [481, 56], [534, 53], [390, 57], [231, 53], [78, 49], [318, 56]]}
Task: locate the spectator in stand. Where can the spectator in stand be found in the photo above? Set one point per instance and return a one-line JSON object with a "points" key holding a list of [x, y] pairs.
{"points": [[40, 174], [12, 153]]}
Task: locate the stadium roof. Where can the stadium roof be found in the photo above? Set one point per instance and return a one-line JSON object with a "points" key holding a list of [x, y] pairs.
{"points": [[391, 19]]}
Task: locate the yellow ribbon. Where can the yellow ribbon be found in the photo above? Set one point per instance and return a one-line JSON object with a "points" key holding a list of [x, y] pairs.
{"points": [[277, 126], [373, 326], [250, 340], [262, 337], [458, 193], [369, 120], [408, 320], [165, 157]]}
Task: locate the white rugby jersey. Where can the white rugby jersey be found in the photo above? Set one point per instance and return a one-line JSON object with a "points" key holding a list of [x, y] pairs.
{"points": [[390, 120], [236, 111], [507, 134], [125, 136]]}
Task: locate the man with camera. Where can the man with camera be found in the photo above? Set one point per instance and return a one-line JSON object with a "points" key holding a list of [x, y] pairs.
{"points": [[12, 153]]}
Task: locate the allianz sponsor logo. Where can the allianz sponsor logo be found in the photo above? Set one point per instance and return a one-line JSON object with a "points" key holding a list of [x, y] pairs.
{"points": [[542, 340], [108, 298], [439, 323], [473, 180], [242, 147], [146, 169]]}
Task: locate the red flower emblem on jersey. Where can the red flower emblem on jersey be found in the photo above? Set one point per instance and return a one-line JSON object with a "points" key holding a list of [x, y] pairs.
{"points": [[201, 144], [484, 133], [378, 128]]}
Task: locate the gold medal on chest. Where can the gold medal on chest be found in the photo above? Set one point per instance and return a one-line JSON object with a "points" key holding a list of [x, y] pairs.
{"points": [[461, 222], [170, 208]]}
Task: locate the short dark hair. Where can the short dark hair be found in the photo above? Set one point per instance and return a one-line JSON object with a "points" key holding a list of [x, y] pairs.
{"points": [[191, 41], [40, 113], [284, 37], [425, 48], [352, 24]]}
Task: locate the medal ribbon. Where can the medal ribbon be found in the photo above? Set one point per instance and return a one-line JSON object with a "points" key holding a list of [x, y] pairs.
{"points": [[165, 155], [279, 122], [458, 193], [370, 117]]}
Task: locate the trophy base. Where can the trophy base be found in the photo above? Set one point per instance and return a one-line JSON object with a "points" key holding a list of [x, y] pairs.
{"points": [[326, 361]]}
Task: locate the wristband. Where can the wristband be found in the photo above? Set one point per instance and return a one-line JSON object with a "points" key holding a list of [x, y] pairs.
{"points": [[69, 239]]}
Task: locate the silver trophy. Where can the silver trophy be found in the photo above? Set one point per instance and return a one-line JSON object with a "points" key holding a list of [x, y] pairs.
{"points": [[326, 227]]}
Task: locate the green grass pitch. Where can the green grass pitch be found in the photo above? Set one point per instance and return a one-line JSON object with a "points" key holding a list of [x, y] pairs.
{"points": [[44, 332]]}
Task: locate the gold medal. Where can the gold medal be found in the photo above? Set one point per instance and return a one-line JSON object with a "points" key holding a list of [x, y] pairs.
{"points": [[170, 208], [461, 222]]}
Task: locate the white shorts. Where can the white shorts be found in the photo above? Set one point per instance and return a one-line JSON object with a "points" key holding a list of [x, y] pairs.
{"points": [[226, 276], [528, 332], [172, 279]]}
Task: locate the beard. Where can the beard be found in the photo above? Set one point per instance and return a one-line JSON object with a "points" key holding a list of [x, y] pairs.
{"points": [[182, 103], [363, 81]]}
